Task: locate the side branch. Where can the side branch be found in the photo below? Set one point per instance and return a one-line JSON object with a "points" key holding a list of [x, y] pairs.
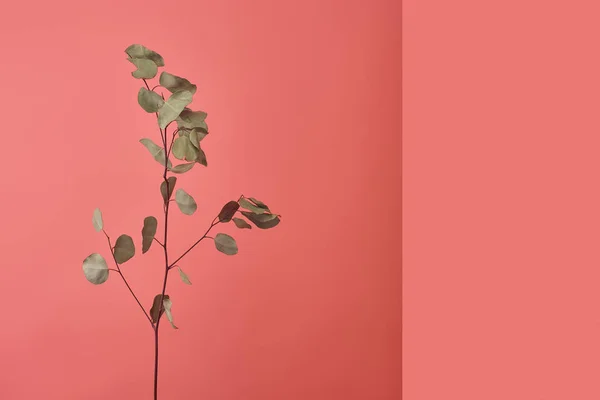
{"points": [[118, 270], [215, 222]]}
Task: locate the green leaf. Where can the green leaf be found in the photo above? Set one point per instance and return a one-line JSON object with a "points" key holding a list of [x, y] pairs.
{"points": [[185, 202], [180, 147], [184, 277], [97, 220], [150, 101], [124, 249], [262, 221], [240, 223], [226, 244], [182, 168], [156, 310], [163, 188], [157, 152], [189, 119], [196, 137], [167, 303], [174, 83], [201, 159], [95, 269], [228, 211], [148, 232], [259, 203], [173, 107], [146, 69], [249, 206], [139, 51]]}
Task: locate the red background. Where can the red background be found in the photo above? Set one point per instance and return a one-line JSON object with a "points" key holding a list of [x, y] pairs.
{"points": [[501, 200], [303, 101]]}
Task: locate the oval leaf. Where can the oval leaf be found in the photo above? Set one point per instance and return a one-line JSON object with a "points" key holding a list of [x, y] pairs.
{"points": [[174, 83], [259, 203], [139, 51], [185, 202], [150, 101], [249, 206], [262, 221], [226, 244], [95, 269], [167, 303], [157, 152], [184, 277], [156, 310], [148, 233], [146, 69], [196, 135], [192, 119], [182, 168], [173, 107], [240, 223], [124, 249], [97, 220], [180, 146], [201, 159], [228, 211], [163, 188]]}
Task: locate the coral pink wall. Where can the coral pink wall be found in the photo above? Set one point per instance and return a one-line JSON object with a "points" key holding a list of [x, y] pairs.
{"points": [[303, 101], [501, 206]]}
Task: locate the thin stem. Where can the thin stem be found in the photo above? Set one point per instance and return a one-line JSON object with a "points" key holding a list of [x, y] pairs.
{"points": [[118, 270], [158, 241], [215, 222]]}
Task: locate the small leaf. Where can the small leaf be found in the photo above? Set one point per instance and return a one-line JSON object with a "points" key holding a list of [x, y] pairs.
{"points": [[180, 146], [157, 152], [167, 303], [192, 119], [201, 159], [249, 206], [124, 249], [185, 202], [156, 310], [226, 244], [163, 188], [146, 69], [184, 277], [182, 168], [150, 101], [95, 269], [174, 83], [196, 135], [148, 232], [240, 223], [139, 51], [259, 203], [228, 211], [97, 220], [173, 107], [262, 221]]}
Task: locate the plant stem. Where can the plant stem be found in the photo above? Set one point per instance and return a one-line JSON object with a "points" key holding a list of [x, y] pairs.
{"points": [[195, 244]]}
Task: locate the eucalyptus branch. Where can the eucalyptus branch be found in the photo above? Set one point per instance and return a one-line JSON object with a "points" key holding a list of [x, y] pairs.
{"points": [[192, 129]]}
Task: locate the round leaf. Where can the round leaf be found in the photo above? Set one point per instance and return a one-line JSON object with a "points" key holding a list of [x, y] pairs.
{"points": [[124, 249], [228, 211], [240, 223], [180, 146], [146, 69], [95, 269], [163, 188], [173, 107], [226, 244], [185, 202], [192, 119], [262, 221], [139, 51], [97, 220], [174, 83], [150, 101], [148, 233]]}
